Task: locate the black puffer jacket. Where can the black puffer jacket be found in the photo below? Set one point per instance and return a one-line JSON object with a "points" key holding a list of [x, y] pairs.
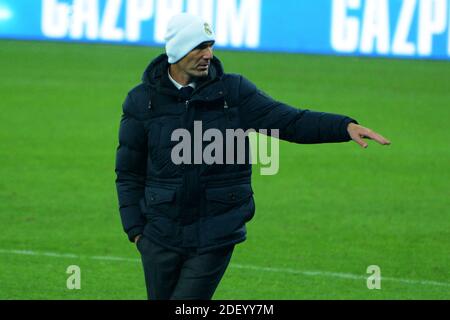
{"points": [[199, 206]]}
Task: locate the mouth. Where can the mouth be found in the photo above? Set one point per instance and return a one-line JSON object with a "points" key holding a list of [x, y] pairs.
{"points": [[203, 67]]}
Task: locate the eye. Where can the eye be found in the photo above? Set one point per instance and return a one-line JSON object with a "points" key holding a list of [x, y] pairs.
{"points": [[203, 46]]}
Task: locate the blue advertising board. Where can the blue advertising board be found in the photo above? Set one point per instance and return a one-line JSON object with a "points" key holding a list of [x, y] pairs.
{"points": [[387, 28]]}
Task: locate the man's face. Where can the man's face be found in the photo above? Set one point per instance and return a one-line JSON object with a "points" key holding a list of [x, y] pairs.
{"points": [[196, 63]]}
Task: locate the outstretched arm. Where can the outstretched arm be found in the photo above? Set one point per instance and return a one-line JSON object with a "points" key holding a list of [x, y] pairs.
{"points": [[260, 111]]}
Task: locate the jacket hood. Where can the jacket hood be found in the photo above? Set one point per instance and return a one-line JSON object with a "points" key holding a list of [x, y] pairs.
{"points": [[158, 67]]}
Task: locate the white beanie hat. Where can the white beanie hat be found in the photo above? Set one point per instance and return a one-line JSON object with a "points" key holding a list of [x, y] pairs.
{"points": [[184, 33]]}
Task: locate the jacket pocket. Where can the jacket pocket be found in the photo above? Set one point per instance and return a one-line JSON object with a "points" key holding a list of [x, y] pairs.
{"points": [[223, 200], [161, 202]]}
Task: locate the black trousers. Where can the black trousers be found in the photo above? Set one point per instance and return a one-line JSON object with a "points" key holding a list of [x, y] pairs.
{"points": [[172, 275]]}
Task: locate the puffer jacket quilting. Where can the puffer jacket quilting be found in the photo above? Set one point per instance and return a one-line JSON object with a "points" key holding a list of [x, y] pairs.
{"points": [[199, 206]]}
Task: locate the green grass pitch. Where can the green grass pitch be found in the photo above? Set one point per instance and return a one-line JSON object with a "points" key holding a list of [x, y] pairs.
{"points": [[330, 212]]}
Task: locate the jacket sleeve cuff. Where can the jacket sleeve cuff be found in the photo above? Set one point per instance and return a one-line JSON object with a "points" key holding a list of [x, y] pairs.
{"points": [[345, 124], [133, 232]]}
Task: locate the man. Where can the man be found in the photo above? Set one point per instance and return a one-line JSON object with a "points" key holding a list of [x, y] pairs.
{"points": [[186, 218]]}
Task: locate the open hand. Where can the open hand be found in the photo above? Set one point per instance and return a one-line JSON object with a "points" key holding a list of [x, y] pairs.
{"points": [[357, 133]]}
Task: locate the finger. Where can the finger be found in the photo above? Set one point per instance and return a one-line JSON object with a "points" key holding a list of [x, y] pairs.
{"points": [[377, 137], [359, 140]]}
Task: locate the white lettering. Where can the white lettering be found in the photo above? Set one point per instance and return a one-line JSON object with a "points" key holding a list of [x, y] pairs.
{"points": [[202, 8], [448, 32], [55, 19], [198, 142], [401, 45], [236, 143], [187, 310], [165, 9], [238, 27], [213, 153], [181, 153], [374, 280], [344, 30], [74, 280], [432, 20], [109, 29], [273, 159], [137, 11], [236, 136], [375, 27], [85, 17]]}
